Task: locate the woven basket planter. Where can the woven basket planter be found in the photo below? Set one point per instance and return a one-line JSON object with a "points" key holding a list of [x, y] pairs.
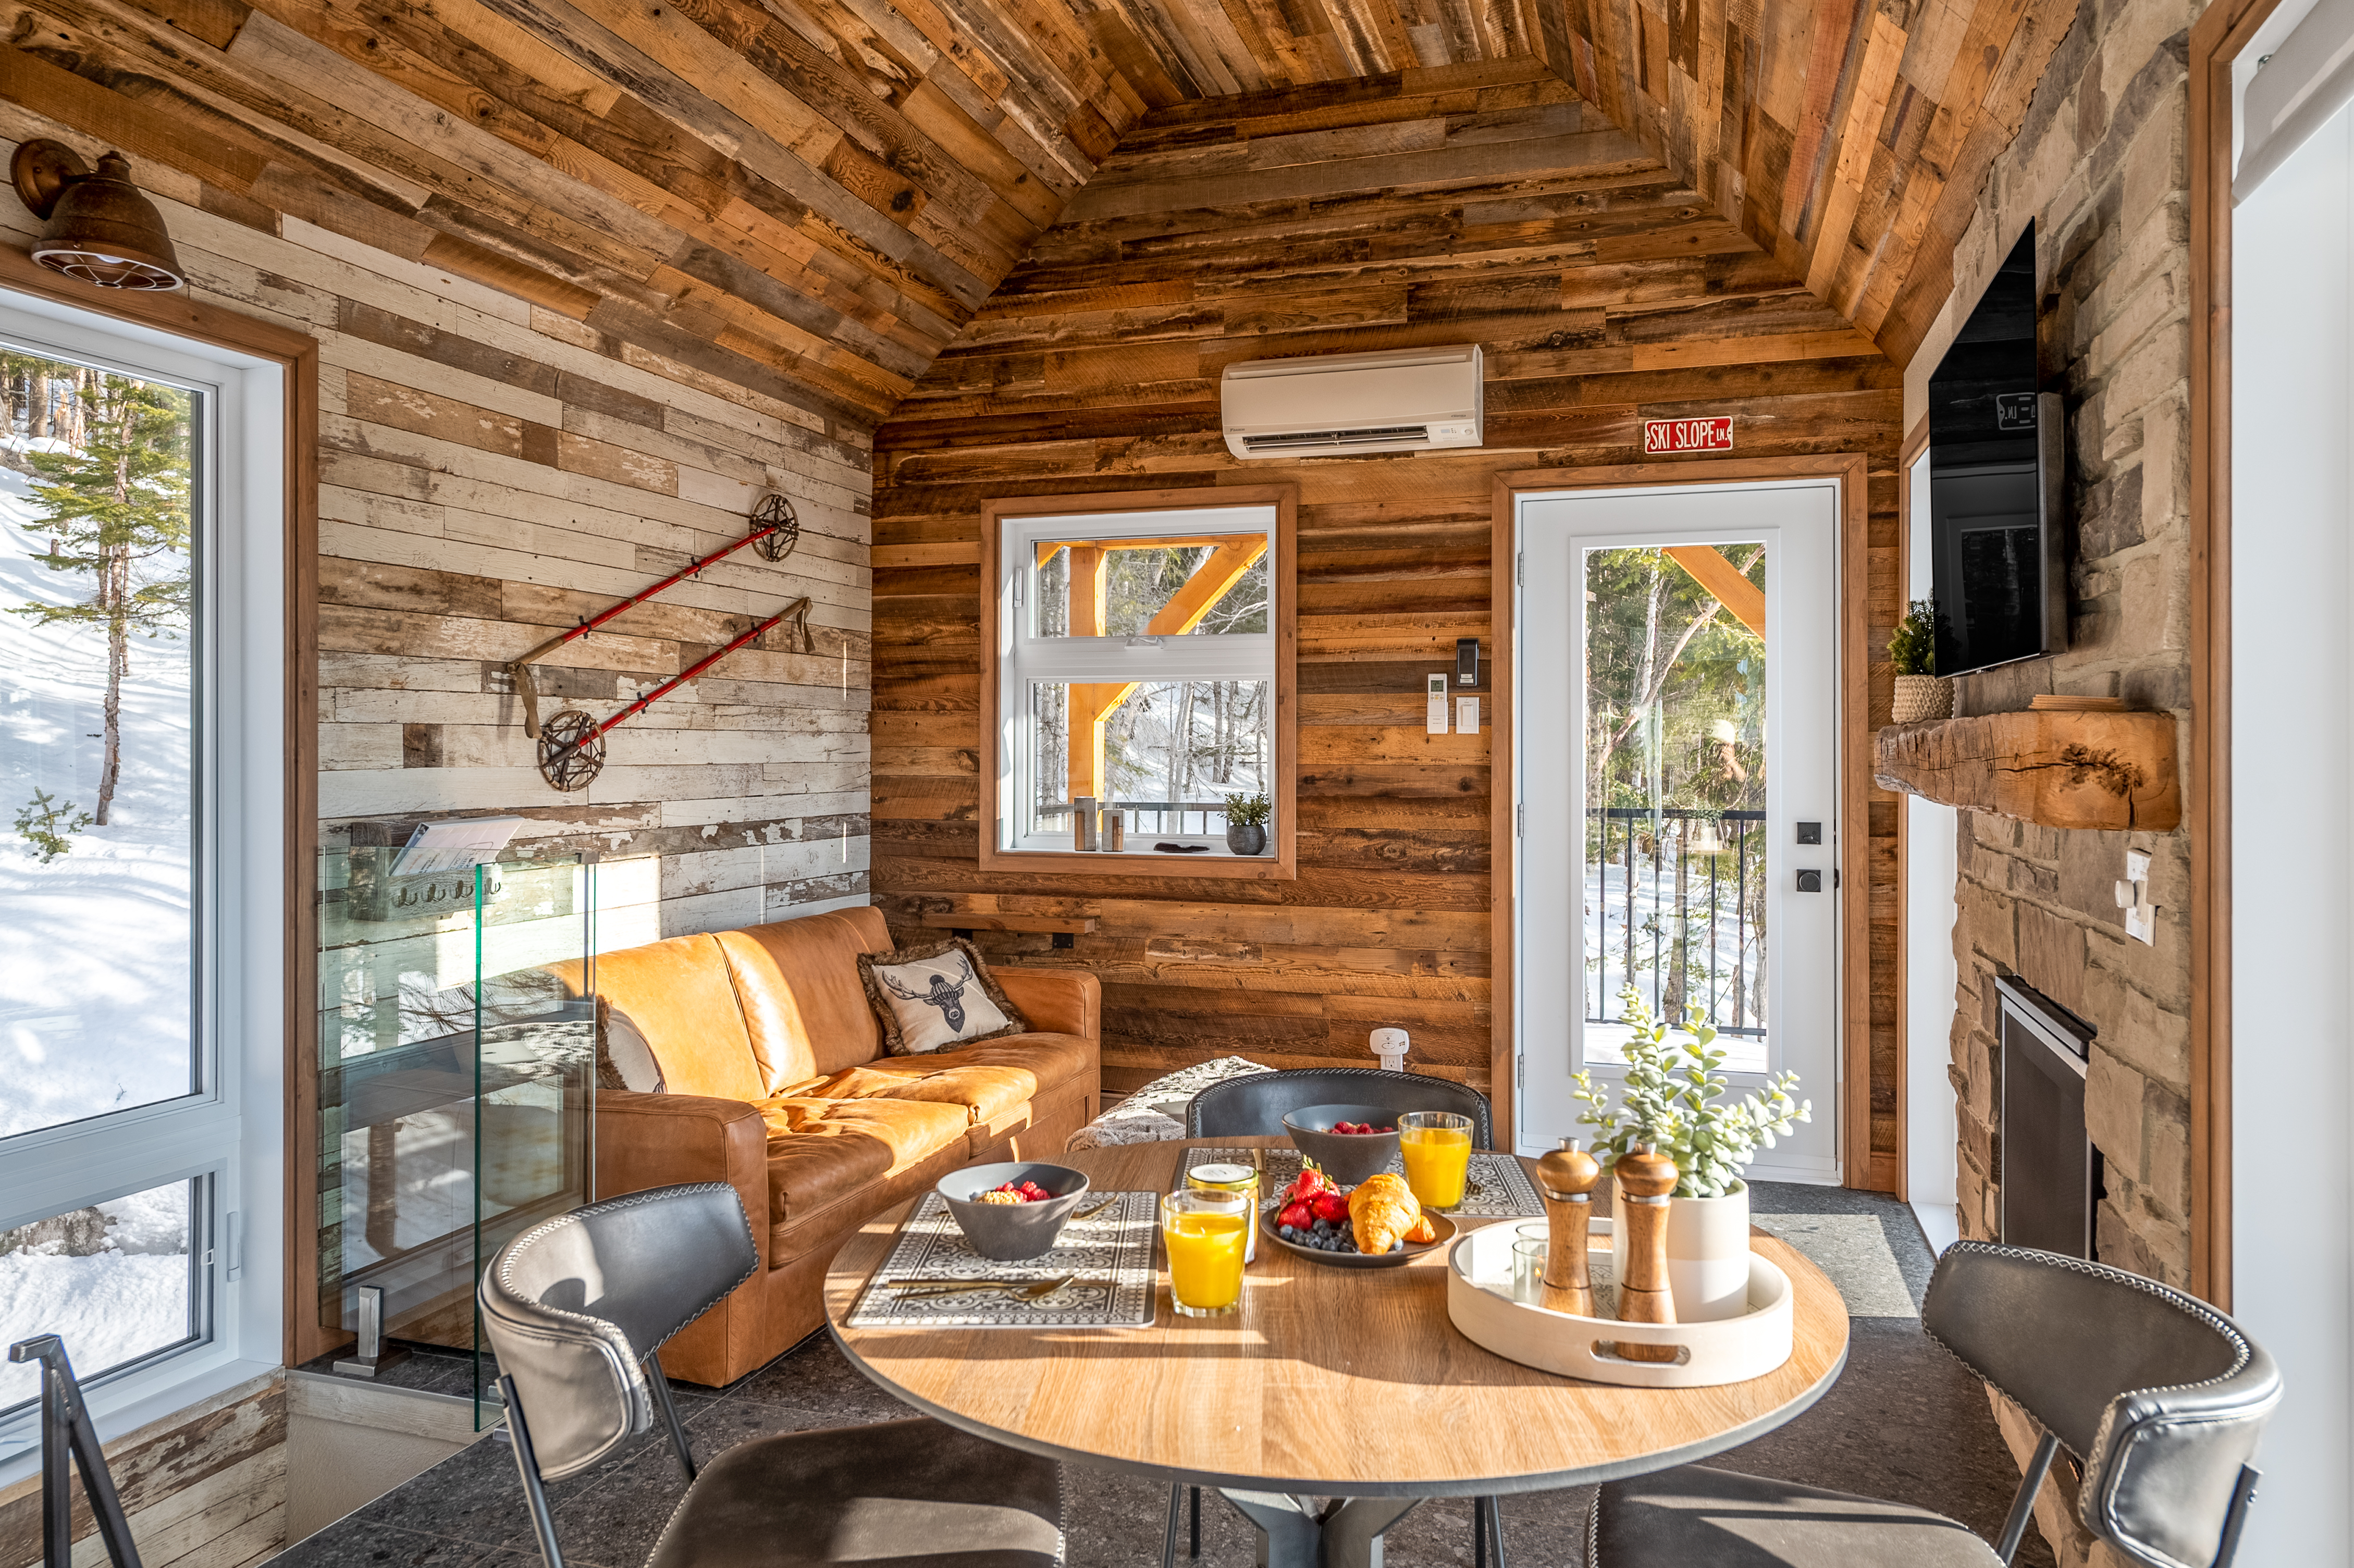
{"points": [[1920, 698]]}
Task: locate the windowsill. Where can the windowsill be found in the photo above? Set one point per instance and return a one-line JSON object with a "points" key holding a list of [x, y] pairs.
{"points": [[1275, 866]]}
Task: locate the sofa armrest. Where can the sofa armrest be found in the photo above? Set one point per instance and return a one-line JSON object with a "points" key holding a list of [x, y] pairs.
{"points": [[659, 1140], [1056, 1001]]}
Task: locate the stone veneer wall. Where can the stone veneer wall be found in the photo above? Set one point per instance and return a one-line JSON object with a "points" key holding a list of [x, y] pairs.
{"points": [[2099, 165]]}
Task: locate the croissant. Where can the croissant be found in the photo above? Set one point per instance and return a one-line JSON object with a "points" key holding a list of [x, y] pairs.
{"points": [[1380, 1210]]}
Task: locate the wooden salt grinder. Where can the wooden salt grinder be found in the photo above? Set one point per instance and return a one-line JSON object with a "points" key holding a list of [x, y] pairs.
{"points": [[1568, 1176], [1647, 1179]]}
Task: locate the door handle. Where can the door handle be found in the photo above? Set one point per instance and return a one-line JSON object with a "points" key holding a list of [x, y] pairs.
{"points": [[1811, 882]]}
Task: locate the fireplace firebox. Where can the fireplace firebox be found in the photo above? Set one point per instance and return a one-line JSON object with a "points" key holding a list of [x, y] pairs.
{"points": [[2051, 1178]]}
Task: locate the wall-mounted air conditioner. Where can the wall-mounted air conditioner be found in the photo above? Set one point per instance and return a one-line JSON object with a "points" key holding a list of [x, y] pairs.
{"points": [[1416, 399]]}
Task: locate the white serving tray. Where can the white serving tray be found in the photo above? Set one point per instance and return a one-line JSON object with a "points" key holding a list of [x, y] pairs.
{"points": [[1479, 1304]]}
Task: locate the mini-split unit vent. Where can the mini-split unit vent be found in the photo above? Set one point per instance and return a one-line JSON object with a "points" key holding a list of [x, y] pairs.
{"points": [[1419, 399]]}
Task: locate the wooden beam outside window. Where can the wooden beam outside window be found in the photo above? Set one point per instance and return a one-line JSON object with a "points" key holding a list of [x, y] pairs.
{"points": [[1707, 565]]}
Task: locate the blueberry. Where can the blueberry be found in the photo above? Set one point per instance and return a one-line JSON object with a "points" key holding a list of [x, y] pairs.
{"points": [[1290, 1232], [1398, 1246]]}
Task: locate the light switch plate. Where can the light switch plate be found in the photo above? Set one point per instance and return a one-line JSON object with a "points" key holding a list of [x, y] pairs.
{"points": [[1435, 718], [1467, 715]]}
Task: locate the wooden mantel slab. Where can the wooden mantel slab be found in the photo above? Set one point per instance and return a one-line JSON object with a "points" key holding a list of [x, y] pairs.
{"points": [[2103, 770]]}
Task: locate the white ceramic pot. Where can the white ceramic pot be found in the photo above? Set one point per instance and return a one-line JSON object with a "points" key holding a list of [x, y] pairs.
{"points": [[1708, 1253]]}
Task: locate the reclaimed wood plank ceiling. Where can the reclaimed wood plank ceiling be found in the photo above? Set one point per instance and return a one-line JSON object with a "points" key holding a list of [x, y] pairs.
{"points": [[820, 194]]}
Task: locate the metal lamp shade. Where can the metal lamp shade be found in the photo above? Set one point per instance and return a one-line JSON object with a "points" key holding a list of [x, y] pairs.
{"points": [[1703, 840], [105, 231]]}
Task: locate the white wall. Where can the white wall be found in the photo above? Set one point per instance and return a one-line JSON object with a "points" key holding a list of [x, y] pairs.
{"points": [[1930, 976], [2292, 923]]}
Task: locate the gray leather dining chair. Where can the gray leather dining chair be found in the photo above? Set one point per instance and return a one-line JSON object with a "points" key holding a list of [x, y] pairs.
{"points": [[1254, 1105], [2160, 1397], [577, 1309]]}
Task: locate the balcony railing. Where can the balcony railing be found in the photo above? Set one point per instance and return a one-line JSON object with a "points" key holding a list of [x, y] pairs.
{"points": [[1190, 819], [1681, 922]]}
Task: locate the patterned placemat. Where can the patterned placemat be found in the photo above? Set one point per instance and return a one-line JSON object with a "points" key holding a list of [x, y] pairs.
{"points": [[1111, 1253], [1498, 1187]]}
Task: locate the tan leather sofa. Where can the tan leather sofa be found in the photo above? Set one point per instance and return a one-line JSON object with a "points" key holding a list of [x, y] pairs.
{"points": [[774, 1081]]}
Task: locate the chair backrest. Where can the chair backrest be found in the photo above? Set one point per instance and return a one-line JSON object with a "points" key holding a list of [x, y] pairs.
{"points": [[2160, 1396], [1254, 1106], [573, 1305]]}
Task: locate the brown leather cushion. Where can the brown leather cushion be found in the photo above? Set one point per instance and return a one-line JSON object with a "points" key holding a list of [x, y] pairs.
{"points": [[803, 1004], [677, 994], [823, 1150], [988, 1079]]}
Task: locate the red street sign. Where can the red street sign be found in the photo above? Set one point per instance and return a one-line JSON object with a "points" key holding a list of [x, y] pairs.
{"points": [[1662, 435]]}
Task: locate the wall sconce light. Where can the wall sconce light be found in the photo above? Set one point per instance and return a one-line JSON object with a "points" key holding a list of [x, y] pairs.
{"points": [[101, 228]]}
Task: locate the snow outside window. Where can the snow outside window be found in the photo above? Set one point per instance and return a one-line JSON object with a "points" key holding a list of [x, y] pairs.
{"points": [[1140, 674], [139, 624]]}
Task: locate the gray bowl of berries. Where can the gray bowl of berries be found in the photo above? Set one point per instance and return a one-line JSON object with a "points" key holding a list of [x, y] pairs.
{"points": [[1350, 1142], [1012, 1211]]}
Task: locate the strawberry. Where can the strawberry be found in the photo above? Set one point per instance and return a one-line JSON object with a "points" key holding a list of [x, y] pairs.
{"points": [[1295, 1215], [1309, 1183], [1330, 1206]]}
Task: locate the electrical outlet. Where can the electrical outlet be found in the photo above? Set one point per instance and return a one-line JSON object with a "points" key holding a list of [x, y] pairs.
{"points": [[2133, 897]]}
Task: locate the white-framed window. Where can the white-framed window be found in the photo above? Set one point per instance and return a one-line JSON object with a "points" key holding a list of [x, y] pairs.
{"points": [[141, 862], [1142, 666]]}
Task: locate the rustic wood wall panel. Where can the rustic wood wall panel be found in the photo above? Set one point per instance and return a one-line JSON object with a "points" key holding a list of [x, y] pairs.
{"points": [[1483, 204], [203, 1488]]}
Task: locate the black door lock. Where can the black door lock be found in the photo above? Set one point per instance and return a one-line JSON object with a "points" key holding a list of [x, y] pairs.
{"points": [[1811, 882], [1810, 832]]}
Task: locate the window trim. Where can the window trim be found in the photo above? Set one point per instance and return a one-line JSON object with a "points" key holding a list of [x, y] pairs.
{"points": [[998, 626], [280, 436]]}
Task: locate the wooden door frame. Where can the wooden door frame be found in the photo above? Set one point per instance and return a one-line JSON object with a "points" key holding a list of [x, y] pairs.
{"points": [[1852, 471], [1916, 439], [2217, 37], [297, 356]]}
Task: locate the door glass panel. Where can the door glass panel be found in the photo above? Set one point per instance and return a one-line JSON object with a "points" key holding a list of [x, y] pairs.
{"points": [[1675, 846], [1199, 584], [99, 568], [113, 1281], [1174, 753]]}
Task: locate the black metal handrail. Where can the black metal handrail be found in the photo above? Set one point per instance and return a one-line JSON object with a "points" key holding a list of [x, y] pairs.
{"points": [[1733, 1001], [68, 1430]]}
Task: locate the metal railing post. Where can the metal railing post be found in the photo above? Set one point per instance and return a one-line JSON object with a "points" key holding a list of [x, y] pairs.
{"points": [[66, 1426]]}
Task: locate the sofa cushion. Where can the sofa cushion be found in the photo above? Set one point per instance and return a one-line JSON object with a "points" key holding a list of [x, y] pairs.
{"points": [[803, 1006], [823, 1150], [934, 996], [988, 1079], [677, 995]]}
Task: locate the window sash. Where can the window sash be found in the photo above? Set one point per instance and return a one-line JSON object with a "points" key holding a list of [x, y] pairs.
{"points": [[235, 635]]}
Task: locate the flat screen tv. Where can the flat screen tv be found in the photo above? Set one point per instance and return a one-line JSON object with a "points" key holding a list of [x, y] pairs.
{"points": [[1996, 452]]}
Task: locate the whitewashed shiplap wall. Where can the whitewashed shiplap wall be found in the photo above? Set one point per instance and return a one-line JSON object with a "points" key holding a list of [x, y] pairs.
{"points": [[493, 473]]}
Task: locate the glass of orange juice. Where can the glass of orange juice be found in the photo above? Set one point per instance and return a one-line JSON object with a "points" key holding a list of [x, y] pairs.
{"points": [[1436, 1148], [1205, 1230]]}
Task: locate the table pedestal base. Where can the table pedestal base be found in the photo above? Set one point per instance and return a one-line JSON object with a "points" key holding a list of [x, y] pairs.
{"points": [[1320, 1532]]}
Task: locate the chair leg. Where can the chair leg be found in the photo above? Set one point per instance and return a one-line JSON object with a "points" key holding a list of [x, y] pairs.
{"points": [[543, 1523], [1478, 1532], [669, 1408], [1492, 1509], [1197, 1522], [1168, 1537], [2022, 1508]]}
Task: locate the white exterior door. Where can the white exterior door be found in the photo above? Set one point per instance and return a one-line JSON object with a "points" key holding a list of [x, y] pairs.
{"points": [[1678, 781]]}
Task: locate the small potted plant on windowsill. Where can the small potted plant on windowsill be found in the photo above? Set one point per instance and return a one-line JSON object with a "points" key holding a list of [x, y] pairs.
{"points": [[1673, 1099], [1922, 694], [1246, 818]]}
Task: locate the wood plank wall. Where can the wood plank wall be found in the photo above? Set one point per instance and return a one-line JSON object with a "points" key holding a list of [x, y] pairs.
{"points": [[1471, 203], [204, 1487], [491, 471]]}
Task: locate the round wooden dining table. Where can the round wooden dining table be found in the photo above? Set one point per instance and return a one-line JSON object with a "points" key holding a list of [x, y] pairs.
{"points": [[1331, 1401]]}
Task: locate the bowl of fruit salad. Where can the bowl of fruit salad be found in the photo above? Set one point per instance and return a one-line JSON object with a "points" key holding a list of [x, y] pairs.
{"points": [[1351, 1142], [1014, 1210]]}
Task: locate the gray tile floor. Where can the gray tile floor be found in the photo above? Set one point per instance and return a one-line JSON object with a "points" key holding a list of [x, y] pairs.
{"points": [[1903, 1422]]}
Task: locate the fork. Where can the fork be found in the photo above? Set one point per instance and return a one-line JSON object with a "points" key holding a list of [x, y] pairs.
{"points": [[1038, 1292]]}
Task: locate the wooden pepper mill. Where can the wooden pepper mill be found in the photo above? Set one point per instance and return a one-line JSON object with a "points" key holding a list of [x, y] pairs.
{"points": [[1568, 1176], [1647, 1180]]}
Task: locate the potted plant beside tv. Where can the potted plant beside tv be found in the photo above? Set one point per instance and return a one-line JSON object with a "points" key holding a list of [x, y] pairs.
{"points": [[1673, 1099], [1246, 818], [1921, 694]]}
